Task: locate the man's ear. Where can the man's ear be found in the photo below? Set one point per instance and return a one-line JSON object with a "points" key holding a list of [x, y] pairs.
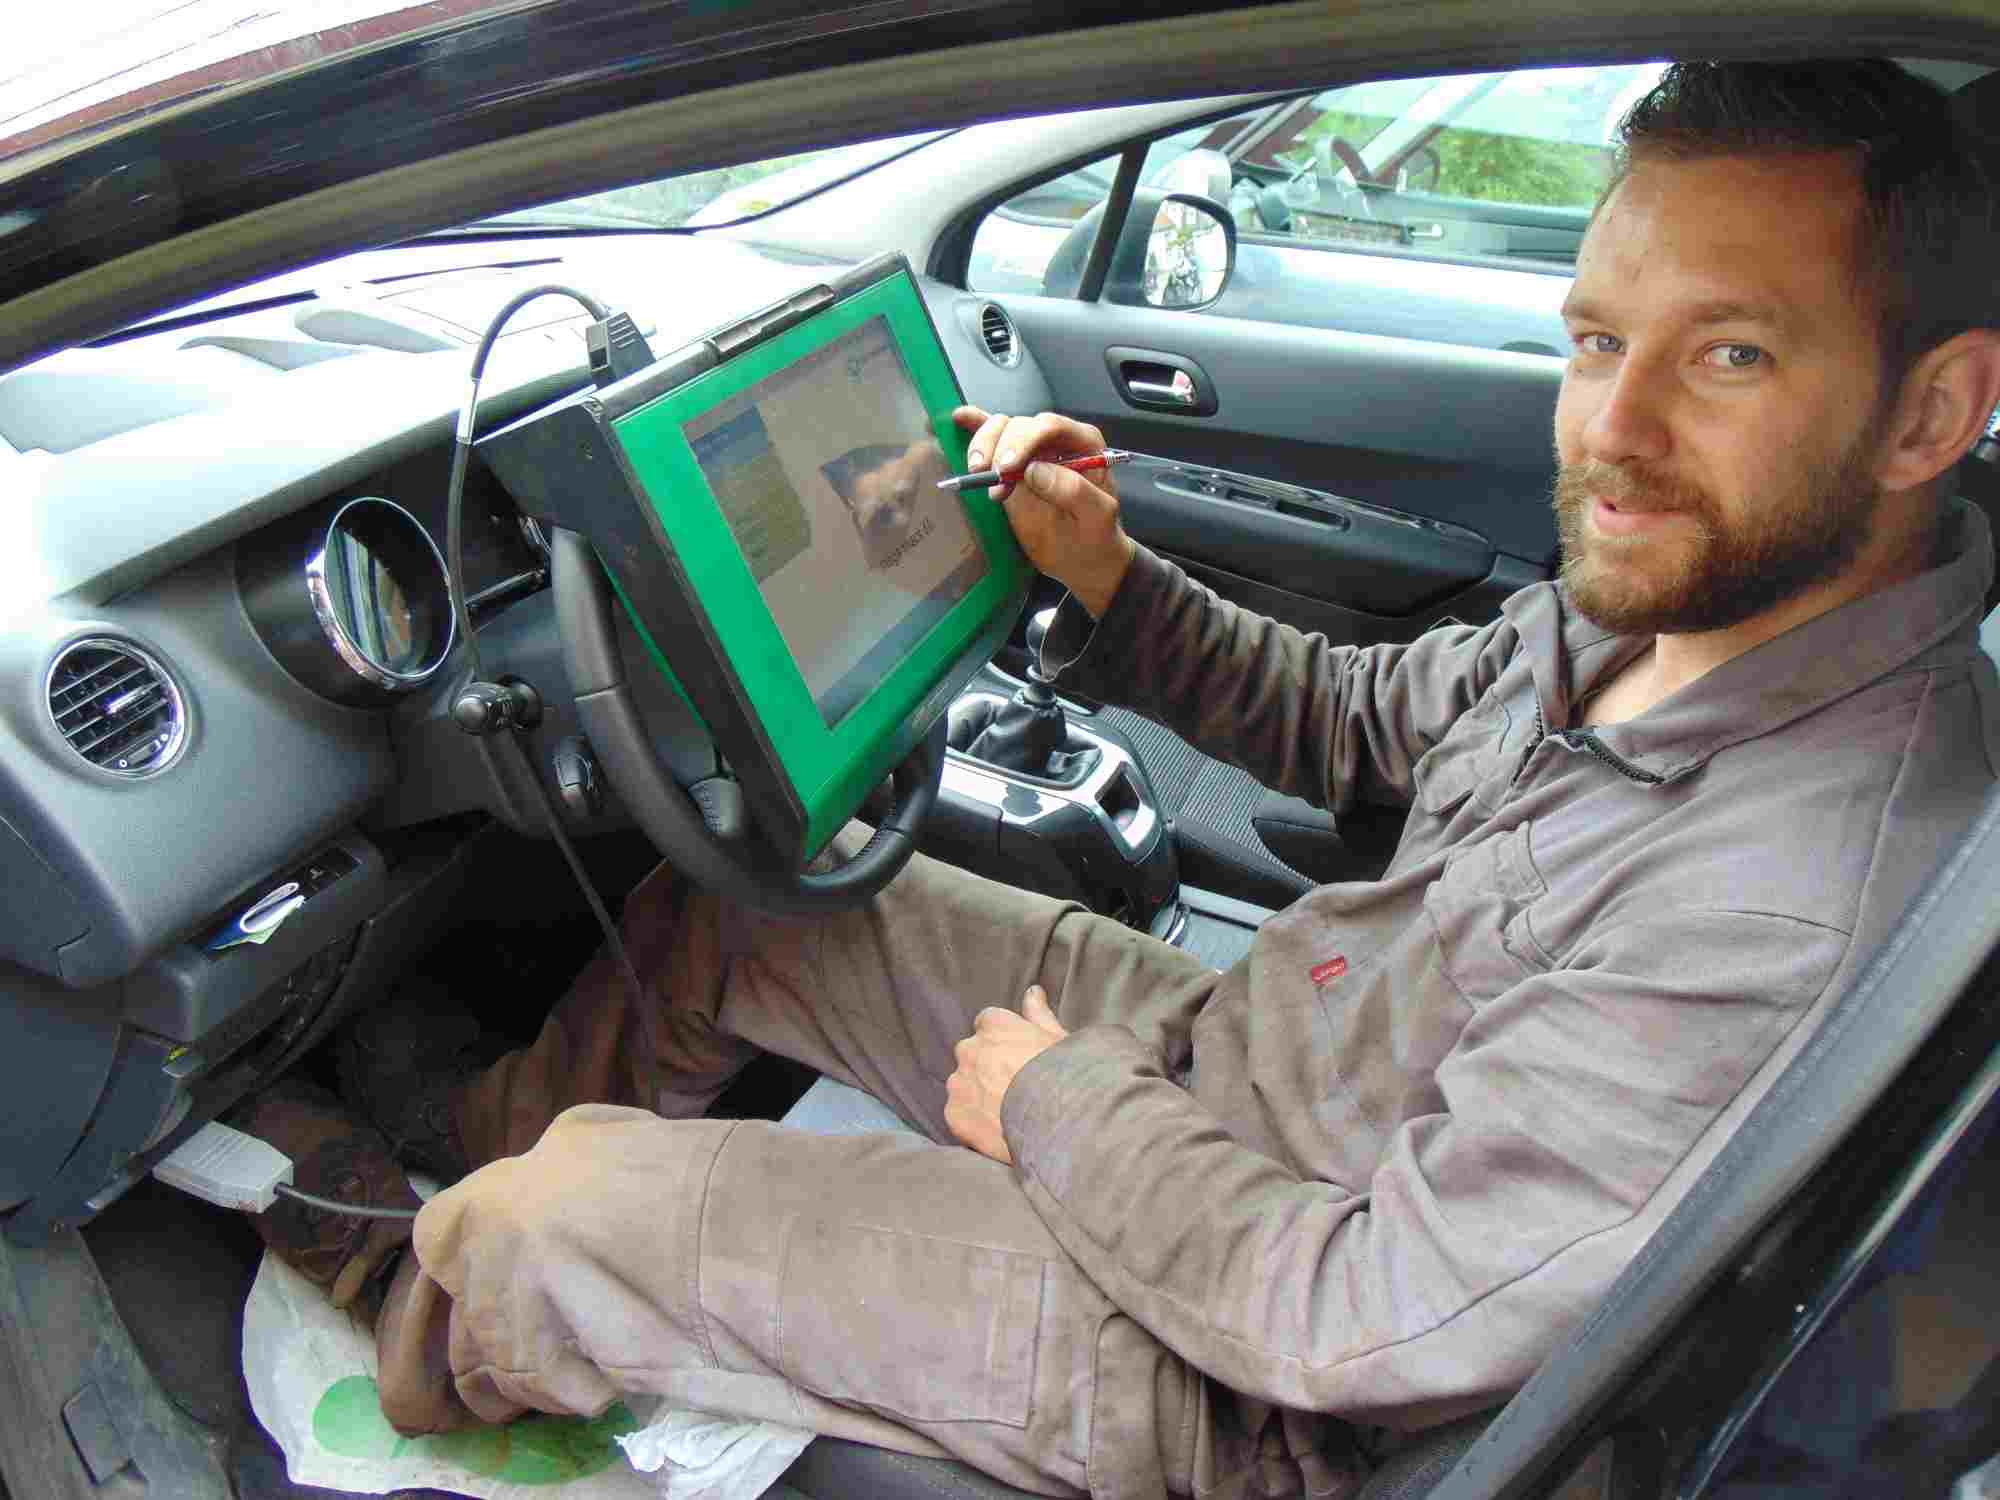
{"points": [[1944, 405]]}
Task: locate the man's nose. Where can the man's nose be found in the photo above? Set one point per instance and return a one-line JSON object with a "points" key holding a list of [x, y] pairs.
{"points": [[1630, 418]]}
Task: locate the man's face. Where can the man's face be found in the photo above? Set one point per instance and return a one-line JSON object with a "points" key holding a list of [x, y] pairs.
{"points": [[1719, 419]]}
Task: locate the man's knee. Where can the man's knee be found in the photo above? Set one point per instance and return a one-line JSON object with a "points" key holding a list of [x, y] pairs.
{"points": [[598, 1173]]}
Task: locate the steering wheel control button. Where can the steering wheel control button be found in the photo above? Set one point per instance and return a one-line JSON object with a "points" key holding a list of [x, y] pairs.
{"points": [[577, 779], [489, 707]]}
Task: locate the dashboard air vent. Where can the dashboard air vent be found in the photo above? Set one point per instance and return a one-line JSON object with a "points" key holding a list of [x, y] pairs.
{"points": [[116, 707], [996, 329]]}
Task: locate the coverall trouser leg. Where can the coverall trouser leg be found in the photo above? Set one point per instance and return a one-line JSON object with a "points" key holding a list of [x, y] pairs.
{"points": [[895, 1290]]}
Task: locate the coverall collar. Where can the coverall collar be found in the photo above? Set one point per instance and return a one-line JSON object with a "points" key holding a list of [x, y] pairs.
{"points": [[1772, 684]]}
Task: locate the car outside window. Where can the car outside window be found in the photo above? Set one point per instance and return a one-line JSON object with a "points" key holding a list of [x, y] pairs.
{"points": [[1493, 173]]}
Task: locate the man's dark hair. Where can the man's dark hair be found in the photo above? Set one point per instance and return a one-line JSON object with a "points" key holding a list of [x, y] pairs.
{"points": [[1930, 237]]}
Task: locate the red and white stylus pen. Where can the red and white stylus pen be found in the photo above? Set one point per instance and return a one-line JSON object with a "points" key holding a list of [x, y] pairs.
{"points": [[985, 479]]}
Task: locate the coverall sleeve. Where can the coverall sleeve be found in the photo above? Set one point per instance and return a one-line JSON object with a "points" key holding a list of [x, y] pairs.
{"points": [[1303, 716], [1488, 1229]]}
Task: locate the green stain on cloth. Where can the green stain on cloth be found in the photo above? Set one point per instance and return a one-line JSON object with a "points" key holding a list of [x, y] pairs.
{"points": [[535, 1449]]}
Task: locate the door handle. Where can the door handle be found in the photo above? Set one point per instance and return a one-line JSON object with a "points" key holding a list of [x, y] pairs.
{"points": [[1155, 380], [1425, 229], [1179, 390]]}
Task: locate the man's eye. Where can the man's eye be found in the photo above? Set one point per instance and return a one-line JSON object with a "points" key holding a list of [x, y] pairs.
{"points": [[1598, 343], [1734, 356]]}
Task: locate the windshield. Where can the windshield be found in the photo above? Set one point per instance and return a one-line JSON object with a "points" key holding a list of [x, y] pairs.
{"points": [[721, 195]]}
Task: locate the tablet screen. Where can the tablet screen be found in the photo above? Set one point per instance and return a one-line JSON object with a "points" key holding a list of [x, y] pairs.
{"points": [[826, 473]]}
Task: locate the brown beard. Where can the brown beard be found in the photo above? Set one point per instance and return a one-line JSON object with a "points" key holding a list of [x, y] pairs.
{"points": [[1725, 572]]}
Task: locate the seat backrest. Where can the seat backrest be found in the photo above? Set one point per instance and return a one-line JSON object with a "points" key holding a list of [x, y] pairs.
{"points": [[1414, 1471]]}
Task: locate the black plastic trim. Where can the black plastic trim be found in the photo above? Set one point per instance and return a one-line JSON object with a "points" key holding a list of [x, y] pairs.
{"points": [[1117, 205]]}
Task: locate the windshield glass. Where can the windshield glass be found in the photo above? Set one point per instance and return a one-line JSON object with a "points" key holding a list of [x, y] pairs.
{"points": [[721, 195]]}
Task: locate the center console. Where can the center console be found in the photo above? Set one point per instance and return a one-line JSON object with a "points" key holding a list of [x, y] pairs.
{"points": [[1037, 794]]}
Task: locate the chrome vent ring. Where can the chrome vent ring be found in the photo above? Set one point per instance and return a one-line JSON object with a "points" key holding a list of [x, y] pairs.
{"points": [[997, 335], [116, 706]]}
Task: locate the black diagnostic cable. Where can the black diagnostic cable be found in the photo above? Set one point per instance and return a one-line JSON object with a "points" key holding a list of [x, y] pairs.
{"points": [[461, 457], [485, 709]]}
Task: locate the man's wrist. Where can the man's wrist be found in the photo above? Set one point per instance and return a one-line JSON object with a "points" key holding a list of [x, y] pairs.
{"points": [[1096, 594]]}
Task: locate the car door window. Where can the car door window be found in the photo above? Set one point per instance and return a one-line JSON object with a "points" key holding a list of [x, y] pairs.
{"points": [[1347, 201]]}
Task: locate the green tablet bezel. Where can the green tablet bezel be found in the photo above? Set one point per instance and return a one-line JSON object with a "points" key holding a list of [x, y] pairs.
{"points": [[829, 768]]}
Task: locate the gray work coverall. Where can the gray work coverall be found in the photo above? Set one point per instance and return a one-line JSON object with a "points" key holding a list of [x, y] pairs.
{"points": [[1372, 1174]]}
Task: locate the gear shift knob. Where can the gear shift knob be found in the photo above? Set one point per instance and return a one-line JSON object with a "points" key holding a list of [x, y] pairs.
{"points": [[1031, 730], [1038, 631]]}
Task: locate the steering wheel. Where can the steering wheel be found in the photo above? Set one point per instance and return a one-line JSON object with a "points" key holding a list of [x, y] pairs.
{"points": [[740, 865]]}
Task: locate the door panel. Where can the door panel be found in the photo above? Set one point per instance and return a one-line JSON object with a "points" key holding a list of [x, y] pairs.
{"points": [[1453, 443], [1307, 542]]}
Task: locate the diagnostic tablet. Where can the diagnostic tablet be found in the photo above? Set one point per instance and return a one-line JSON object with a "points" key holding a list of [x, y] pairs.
{"points": [[766, 503]]}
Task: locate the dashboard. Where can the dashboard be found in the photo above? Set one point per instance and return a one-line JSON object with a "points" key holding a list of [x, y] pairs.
{"points": [[223, 642]]}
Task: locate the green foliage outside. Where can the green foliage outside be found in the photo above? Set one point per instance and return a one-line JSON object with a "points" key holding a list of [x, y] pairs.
{"points": [[1513, 169], [1491, 167]]}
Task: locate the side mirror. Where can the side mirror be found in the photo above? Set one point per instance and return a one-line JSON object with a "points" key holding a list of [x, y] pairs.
{"points": [[1177, 251]]}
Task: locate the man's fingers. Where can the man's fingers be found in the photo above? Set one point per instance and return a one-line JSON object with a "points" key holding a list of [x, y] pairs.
{"points": [[971, 418], [1074, 494], [985, 441], [1020, 440], [1035, 1006]]}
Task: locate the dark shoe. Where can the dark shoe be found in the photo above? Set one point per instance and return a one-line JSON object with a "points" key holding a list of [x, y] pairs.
{"points": [[404, 1064], [413, 1376], [334, 1155]]}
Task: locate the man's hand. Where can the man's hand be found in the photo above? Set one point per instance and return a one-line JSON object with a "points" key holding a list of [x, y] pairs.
{"points": [[1067, 523], [1001, 1045]]}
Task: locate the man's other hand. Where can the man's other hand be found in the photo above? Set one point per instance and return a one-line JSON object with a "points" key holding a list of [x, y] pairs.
{"points": [[1001, 1044], [1067, 523]]}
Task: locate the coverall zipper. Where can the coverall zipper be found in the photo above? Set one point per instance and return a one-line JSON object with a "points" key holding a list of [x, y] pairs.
{"points": [[1583, 739]]}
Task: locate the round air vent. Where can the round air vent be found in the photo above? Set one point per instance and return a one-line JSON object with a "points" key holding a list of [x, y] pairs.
{"points": [[996, 331], [116, 707]]}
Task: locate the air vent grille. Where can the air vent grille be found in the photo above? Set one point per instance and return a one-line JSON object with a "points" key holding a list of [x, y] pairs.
{"points": [[997, 330], [116, 707]]}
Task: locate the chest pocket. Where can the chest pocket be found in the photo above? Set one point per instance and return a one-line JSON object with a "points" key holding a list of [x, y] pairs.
{"points": [[1480, 908], [1464, 757]]}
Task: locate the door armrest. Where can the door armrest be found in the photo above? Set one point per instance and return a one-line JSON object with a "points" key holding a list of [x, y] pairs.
{"points": [[1325, 849]]}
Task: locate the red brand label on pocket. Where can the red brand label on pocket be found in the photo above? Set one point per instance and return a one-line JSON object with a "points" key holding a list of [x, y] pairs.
{"points": [[1331, 970]]}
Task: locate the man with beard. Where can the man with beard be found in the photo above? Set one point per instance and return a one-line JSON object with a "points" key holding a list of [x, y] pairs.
{"points": [[1659, 813]]}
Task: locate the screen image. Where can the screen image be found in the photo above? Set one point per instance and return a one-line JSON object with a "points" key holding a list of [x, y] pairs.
{"points": [[826, 474]]}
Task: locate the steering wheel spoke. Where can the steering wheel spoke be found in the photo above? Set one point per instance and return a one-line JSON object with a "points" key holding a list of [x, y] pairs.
{"points": [[705, 829]]}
